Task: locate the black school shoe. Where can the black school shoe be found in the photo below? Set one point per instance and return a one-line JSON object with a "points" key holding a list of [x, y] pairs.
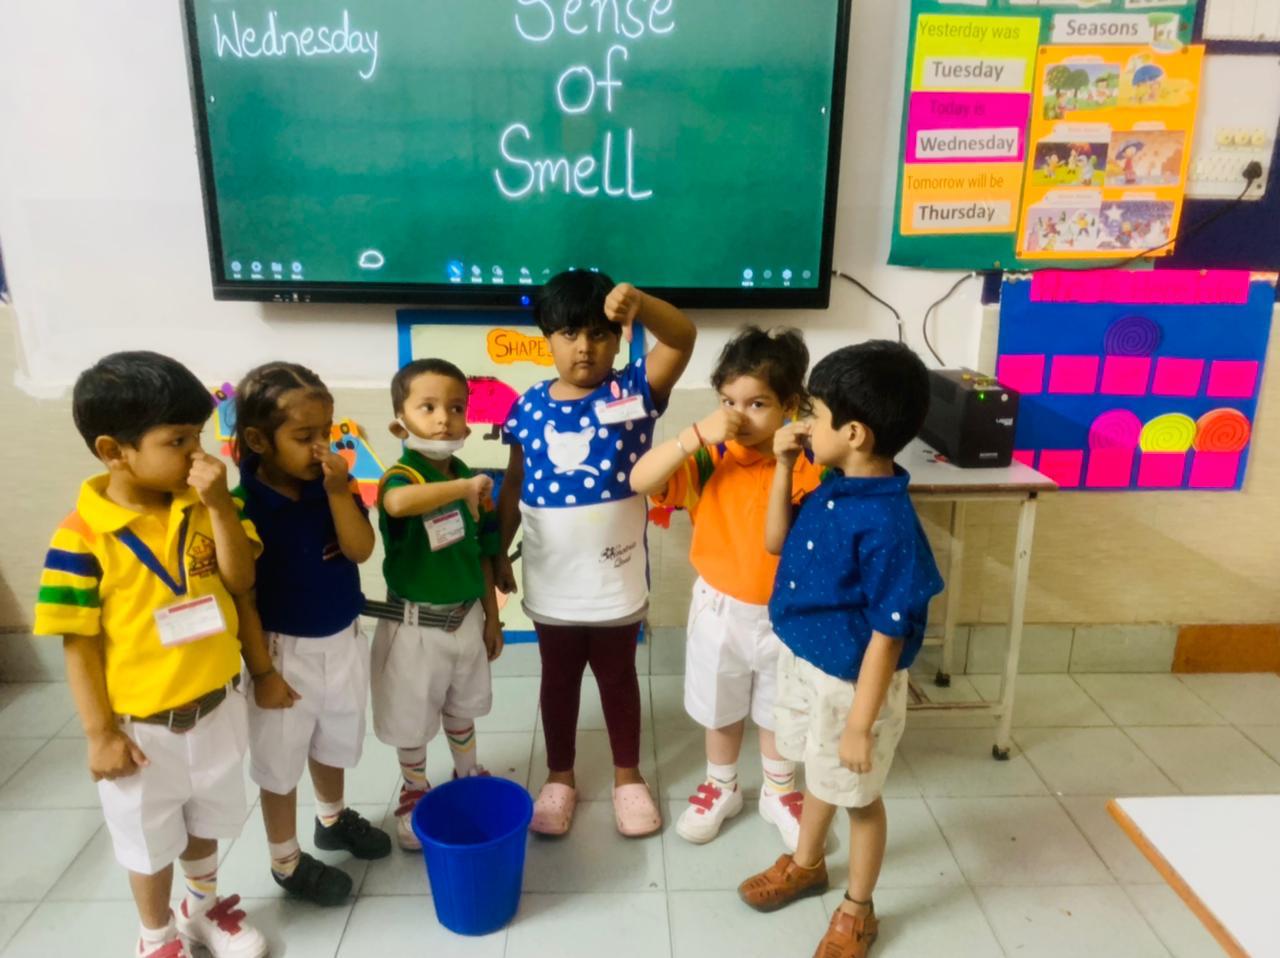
{"points": [[316, 882], [353, 833]]}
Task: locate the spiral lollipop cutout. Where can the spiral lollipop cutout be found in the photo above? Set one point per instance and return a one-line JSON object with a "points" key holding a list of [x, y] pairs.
{"points": [[1132, 336], [1172, 432], [1222, 430], [1115, 429]]}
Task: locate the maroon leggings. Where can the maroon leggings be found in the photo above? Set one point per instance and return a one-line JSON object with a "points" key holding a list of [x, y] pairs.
{"points": [[611, 651]]}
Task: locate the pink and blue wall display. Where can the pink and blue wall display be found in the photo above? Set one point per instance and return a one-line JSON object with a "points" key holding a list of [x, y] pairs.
{"points": [[1136, 380]]}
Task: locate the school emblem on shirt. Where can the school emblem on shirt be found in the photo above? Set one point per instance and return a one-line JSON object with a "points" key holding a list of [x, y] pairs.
{"points": [[202, 556]]}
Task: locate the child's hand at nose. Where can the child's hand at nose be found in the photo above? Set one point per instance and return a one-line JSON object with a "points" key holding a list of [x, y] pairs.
{"points": [[208, 477], [721, 426], [791, 440], [622, 306], [337, 474]]}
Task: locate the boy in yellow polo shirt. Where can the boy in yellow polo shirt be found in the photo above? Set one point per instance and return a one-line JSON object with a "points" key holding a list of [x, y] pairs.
{"points": [[139, 581]]}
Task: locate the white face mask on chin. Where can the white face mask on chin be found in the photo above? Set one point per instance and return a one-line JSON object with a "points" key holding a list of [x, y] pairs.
{"points": [[437, 450]]}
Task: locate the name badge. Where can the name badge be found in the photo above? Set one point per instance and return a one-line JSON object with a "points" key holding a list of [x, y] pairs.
{"points": [[443, 531], [621, 410], [190, 621]]}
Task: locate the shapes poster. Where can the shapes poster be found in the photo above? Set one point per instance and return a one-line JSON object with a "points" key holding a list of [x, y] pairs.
{"points": [[971, 76], [1128, 386], [1111, 135]]}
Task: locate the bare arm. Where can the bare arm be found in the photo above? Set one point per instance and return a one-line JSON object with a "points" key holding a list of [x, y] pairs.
{"points": [[673, 330], [650, 474], [112, 754], [423, 497], [234, 550], [509, 498], [788, 443], [355, 533], [879, 662]]}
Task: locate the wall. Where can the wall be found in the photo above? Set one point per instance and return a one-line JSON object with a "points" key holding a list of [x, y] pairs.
{"points": [[102, 230]]}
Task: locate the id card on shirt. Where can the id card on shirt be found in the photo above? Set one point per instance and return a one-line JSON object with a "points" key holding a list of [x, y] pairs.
{"points": [[621, 410], [190, 621], [444, 530]]}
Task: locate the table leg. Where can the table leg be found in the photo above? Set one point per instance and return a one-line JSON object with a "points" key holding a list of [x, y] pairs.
{"points": [[955, 565], [1021, 570]]}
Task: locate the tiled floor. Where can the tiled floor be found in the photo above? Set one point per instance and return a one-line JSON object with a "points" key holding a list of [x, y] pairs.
{"points": [[985, 858]]}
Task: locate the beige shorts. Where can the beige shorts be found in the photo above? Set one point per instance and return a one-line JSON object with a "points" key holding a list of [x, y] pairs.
{"points": [[812, 710], [327, 723], [193, 784], [417, 673], [731, 660]]}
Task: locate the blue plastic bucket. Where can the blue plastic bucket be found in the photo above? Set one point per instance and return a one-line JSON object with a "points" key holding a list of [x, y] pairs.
{"points": [[473, 833]]}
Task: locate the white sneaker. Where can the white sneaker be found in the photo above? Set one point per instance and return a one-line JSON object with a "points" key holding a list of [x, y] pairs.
{"points": [[783, 811], [221, 928], [708, 809], [409, 798], [175, 947]]}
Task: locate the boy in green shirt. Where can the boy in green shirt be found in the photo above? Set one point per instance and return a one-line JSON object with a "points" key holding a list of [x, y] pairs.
{"points": [[439, 627]]}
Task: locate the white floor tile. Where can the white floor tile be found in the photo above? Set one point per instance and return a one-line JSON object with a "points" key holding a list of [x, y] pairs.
{"points": [[515, 706], [1267, 737], [706, 923], [1248, 699], [408, 926], [1069, 921], [1135, 699], [625, 925], [400, 873], [593, 765], [1208, 760], [95, 875], [76, 928], [57, 776], [298, 928], [34, 709], [520, 660], [666, 656], [38, 846], [593, 857], [1045, 701], [667, 698], [1177, 926], [12, 915], [14, 753], [958, 762], [1113, 846], [917, 922], [1017, 841], [746, 844], [1091, 761]]}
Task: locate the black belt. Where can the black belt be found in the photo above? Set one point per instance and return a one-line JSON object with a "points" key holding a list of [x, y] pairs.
{"points": [[444, 617], [184, 717]]}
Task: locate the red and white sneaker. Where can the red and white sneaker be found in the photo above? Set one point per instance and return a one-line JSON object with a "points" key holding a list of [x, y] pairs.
{"points": [[221, 928], [783, 811], [409, 798], [709, 807], [174, 948]]}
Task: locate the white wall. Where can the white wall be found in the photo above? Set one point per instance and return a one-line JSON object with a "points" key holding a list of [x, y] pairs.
{"points": [[103, 232]]}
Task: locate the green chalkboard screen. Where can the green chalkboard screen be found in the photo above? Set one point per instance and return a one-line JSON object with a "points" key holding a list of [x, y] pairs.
{"points": [[462, 151]]}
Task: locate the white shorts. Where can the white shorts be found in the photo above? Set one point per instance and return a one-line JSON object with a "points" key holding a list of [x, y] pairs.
{"points": [[812, 710], [417, 673], [194, 785], [327, 723], [731, 660]]}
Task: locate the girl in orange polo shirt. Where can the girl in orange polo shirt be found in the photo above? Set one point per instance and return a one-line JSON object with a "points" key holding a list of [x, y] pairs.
{"points": [[720, 471]]}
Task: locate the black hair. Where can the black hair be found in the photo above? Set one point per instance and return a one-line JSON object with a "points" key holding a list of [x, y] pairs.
{"points": [[404, 377], [778, 358], [126, 395], [574, 300], [881, 384], [259, 399]]}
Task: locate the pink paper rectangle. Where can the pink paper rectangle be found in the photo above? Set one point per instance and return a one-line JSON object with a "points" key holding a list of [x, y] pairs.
{"points": [[1214, 470], [967, 114], [1126, 375], [1161, 470], [1025, 456], [1109, 469], [1023, 373], [1231, 379], [1063, 466], [1074, 375], [1178, 377], [1151, 287]]}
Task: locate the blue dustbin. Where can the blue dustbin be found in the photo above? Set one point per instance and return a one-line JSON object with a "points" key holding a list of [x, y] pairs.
{"points": [[473, 833]]}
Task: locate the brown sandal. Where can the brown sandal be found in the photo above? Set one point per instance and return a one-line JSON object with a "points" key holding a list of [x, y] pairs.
{"points": [[782, 884], [849, 936]]}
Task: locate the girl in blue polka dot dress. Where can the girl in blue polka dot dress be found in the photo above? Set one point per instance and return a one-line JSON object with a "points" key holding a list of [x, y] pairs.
{"points": [[573, 442]]}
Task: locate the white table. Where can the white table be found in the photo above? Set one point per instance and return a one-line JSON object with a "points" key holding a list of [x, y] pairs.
{"points": [[1221, 854], [934, 481]]}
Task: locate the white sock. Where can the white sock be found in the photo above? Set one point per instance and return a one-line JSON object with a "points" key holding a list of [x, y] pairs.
{"points": [[153, 938], [726, 776], [284, 856], [779, 775], [202, 882], [328, 812]]}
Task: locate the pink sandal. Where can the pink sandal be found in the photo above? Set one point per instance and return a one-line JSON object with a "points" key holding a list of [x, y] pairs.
{"points": [[553, 811], [634, 810]]}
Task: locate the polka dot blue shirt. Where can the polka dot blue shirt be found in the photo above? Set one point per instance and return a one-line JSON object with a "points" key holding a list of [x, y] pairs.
{"points": [[856, 561], [571, 456]]}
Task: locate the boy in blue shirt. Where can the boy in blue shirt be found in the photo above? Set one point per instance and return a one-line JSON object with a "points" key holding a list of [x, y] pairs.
{"points": [[849, 602]]}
